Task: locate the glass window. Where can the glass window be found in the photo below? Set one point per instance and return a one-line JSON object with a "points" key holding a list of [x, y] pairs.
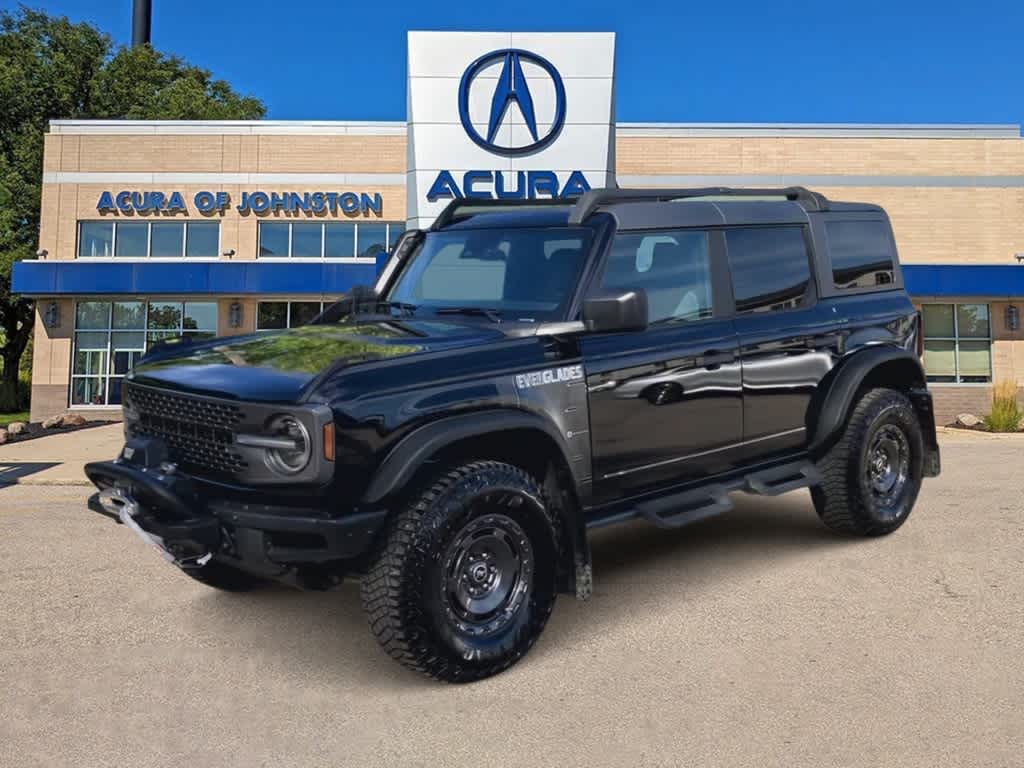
{"points": [[861, 253], [199, 319], [518, 271], [143, 239], [332, 240], [302, 312], [167, 239], [202, 239], [770, 267], [271, 315], [129, 314], [306, 240], [132, 239], [278, 315], [164, 315], [957, 343], [92, 314], [340, 241], [372, 239], [95, 239], [110, 337], [673, 268], [273, 239]]}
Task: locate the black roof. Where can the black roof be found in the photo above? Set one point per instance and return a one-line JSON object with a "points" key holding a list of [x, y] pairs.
{"points": [[639, 208]]}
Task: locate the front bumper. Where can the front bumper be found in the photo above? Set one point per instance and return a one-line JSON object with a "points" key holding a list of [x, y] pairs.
{"points": [[279, 542]]}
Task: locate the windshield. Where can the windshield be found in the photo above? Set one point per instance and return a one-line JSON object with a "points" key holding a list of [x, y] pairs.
{"points": [[520, 274]]}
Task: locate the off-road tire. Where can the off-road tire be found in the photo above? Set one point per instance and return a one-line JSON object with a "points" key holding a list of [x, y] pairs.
{"points": [[223, 577], [848, 500], [408, 590]]}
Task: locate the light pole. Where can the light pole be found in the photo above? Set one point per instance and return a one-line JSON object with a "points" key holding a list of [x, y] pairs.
{"points": [[142, 22]]}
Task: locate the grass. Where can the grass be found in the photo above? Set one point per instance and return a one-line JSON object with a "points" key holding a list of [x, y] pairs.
{"points": [[1006, 415], [9, 418]]}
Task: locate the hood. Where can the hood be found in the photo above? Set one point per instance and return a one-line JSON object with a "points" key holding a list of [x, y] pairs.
{"points": [[277, 366]]}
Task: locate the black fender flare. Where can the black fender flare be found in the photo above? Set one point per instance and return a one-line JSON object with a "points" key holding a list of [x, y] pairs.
{"points": [[834, 398], [409, 455]]}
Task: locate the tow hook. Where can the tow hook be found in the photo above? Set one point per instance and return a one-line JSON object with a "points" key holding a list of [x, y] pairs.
{"points": [[125, 509]]}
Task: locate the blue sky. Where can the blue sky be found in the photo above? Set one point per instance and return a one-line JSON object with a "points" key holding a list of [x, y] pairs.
{"points": [[730, 61]]}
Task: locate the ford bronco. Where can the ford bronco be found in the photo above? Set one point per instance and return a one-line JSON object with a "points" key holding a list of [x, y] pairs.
{"points": [[520, 374]]}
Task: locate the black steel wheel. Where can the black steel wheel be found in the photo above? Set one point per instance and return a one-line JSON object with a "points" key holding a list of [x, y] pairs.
{"points": [[465, 580], [872, 475]]}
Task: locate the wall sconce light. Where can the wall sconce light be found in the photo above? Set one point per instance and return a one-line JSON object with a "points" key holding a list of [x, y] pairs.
{"points": [[229, 252], [1012, 318], [51, 315], [235, 314]]}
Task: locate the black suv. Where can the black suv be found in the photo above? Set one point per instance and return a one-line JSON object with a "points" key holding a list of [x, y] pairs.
{"points": [[521, 374]]}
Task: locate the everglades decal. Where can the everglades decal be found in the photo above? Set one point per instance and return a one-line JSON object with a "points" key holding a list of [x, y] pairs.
{"points": [[549, 376]]}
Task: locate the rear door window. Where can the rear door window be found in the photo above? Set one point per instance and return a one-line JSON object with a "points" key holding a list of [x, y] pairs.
{"points": [[861, 253], [770, 267]]}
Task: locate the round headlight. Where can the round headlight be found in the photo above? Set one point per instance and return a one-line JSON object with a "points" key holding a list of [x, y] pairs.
{"points": [[289, 461]]}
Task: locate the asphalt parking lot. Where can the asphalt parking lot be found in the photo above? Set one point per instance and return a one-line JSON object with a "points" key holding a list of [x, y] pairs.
{"points": [[754, 639]]}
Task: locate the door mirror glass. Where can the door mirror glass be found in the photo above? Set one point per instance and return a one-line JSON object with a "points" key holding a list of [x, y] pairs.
{"points": [[607, 313]]}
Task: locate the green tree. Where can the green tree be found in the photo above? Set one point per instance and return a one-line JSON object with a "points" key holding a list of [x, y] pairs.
{"points": [[51, 68]]}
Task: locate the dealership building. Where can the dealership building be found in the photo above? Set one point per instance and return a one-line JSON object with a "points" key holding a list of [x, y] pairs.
{"points": [[151, 230]]}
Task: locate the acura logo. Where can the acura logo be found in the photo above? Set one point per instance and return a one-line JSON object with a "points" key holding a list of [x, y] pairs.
{"points": [[512, 87]]}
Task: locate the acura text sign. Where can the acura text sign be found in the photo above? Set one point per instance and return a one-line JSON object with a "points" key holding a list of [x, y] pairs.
{"points": [[507, 115]]}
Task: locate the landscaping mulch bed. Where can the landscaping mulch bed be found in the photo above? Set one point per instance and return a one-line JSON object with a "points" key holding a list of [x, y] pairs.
{"points": [[36, 430], [982, 428]]}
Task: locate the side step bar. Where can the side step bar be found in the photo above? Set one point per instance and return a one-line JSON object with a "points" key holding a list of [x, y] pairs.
{"points": [[675, 510]]}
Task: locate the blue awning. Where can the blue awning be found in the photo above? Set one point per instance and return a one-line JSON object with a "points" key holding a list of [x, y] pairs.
{"points": [[239, 278], [980, 281], [233, 278]]}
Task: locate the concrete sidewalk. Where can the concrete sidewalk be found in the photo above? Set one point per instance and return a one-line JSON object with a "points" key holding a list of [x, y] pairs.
{"points": [[58, 459]]}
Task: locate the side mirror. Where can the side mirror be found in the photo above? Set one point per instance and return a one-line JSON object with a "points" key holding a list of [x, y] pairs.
{"points": [[616, 312]]}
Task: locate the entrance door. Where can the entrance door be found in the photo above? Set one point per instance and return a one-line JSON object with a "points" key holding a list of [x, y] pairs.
{"points": [[666, 403]]}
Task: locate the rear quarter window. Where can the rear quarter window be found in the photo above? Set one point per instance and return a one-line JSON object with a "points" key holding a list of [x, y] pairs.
{"points": [[861, 253]]}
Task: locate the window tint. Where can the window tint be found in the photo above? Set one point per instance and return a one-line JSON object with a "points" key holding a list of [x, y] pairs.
{"points": [[132, 239], [770, 267], [202, 238], [96, 238], [672, 267], [166, 238], [861, 252], [527, 272], [957, 343]]}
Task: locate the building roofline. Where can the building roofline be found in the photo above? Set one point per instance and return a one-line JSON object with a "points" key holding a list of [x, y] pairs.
{"points": [[626, 129]]}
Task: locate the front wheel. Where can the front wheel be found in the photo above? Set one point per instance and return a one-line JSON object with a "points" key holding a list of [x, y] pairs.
{"points": [[466, 579], [872, 475]]}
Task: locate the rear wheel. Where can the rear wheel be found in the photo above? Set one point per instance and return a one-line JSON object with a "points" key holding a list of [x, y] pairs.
{"points": [[872, 475], [465, 580]]}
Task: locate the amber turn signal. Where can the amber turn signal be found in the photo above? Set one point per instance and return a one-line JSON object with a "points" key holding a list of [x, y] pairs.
{"points": [[329, 441]]}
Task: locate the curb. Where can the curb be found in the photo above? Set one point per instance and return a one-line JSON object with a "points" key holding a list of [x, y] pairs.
{"points": [[55, 482]]}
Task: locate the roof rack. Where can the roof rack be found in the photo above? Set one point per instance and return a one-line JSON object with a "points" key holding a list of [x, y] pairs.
{"points": [[595, 198], [466, 206]]}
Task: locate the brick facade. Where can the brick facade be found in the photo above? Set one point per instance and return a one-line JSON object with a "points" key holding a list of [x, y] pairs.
{"points": [[921, 181]]}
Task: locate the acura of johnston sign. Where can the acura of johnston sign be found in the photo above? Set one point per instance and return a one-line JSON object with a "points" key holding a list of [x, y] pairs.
{"points": [[507, 116], [129, 201]]}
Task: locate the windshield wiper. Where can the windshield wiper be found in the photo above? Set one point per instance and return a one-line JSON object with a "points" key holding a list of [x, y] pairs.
{"points": [[491, 314]]}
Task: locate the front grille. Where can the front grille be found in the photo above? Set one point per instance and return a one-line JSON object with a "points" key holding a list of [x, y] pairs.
{"points": [[199, 433]]}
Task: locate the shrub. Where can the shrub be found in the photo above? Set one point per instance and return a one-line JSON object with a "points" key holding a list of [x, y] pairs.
{"points": [[1006, 412]]}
